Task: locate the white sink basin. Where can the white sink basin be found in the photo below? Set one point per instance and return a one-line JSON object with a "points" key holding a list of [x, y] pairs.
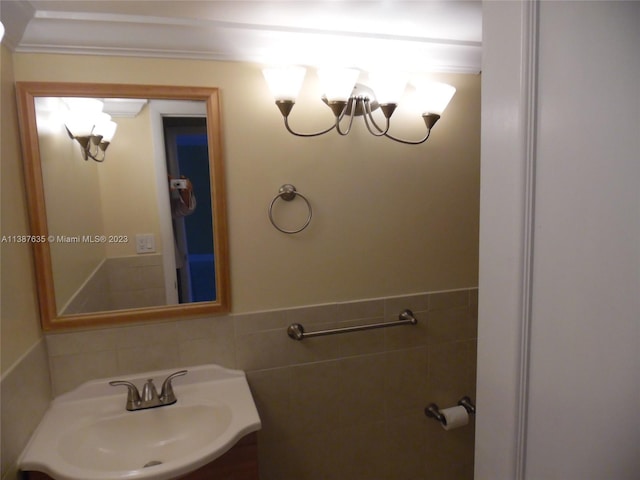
{"points": [[88, 435]]}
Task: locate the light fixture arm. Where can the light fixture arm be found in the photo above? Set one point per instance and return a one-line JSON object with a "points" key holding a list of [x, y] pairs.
{"points": [[351, 106], [285, 107], [368, 117], [298, 134], [92, 146], [101, 149], [430, 120]]}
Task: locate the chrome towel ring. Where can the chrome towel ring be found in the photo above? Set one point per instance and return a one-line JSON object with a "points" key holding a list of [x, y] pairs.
{"points": [[288, 192]]}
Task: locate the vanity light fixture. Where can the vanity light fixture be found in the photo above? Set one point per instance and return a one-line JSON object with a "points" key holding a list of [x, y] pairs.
{"points": [[88, 125], [347, 98]]}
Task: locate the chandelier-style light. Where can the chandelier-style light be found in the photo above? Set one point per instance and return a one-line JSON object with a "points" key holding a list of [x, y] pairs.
{"points": [[88, 125], [347, 98]]}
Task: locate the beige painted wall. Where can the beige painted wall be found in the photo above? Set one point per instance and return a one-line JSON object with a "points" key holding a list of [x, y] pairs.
{"points": [[72, 194], [19, 314], [388, 218], [130, 172]]}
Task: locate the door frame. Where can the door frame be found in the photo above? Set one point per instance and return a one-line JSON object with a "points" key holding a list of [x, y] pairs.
{"points": [[159, 109], [508, 160]]}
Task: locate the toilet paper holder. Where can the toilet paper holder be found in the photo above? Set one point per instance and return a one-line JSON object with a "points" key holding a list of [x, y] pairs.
{"points": [[433, 411]]}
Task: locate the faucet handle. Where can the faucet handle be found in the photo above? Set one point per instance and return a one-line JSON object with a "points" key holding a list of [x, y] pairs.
{"points": [[133, 397], [166, 394]]}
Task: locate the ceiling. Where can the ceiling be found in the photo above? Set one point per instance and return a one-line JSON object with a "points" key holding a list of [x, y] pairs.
{"points": [[416, 36]]}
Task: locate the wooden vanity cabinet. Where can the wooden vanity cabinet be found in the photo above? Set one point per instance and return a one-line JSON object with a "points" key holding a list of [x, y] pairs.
{"points": [[239, 463]]}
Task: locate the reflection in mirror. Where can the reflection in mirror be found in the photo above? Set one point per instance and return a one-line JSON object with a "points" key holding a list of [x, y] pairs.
{"points": [[188, 169], [140, 233]]}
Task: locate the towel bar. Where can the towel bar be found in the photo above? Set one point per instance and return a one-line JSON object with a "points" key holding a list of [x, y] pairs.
{"points": [[296, 331]]}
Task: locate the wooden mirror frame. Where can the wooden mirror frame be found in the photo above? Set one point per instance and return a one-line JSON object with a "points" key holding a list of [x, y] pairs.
{"points": [[26, 93]]}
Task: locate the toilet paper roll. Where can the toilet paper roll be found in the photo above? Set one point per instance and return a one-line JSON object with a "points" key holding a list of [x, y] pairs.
{"points": [[455, 417]]}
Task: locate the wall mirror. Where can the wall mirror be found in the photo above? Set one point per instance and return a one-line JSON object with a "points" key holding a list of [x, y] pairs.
{"points": [[128, 230]]}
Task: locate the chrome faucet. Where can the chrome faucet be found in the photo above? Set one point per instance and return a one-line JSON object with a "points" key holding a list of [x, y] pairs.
{"points": [[149, 397]]}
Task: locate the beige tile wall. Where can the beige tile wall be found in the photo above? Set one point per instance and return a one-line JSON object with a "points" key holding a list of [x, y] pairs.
{"points": [[121, 283], [26, 391], [93, 295], [136, 281], [343, 407], [350, 407]]}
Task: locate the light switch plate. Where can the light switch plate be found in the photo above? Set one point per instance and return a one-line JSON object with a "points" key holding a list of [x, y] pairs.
{"points": [[145, 243]]}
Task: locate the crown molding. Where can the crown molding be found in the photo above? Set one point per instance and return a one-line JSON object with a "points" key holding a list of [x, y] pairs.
{"points": [[91, 33]]}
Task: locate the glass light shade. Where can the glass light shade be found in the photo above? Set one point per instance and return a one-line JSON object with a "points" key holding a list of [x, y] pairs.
{"points": [[388, 87], [78, 124], [337, 83], [107, 128], [284, 82], [1, 31], [434, 96], [82, 114]]}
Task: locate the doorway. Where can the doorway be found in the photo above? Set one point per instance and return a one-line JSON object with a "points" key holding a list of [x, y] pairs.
{"points": [[187, 155]]}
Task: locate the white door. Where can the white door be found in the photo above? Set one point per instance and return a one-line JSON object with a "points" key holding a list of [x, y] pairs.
{"points": [[559, 328]]}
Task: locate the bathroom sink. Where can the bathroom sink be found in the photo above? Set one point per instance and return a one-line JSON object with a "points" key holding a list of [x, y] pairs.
{"points": [[128, 442], [87, 434]]}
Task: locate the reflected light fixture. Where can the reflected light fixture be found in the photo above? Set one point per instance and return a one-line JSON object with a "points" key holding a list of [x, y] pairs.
{"points": [[347, 98], [88, 125]]}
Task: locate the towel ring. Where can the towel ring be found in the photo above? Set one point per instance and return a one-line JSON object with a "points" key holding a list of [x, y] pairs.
{"points": [[287, 193]]}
